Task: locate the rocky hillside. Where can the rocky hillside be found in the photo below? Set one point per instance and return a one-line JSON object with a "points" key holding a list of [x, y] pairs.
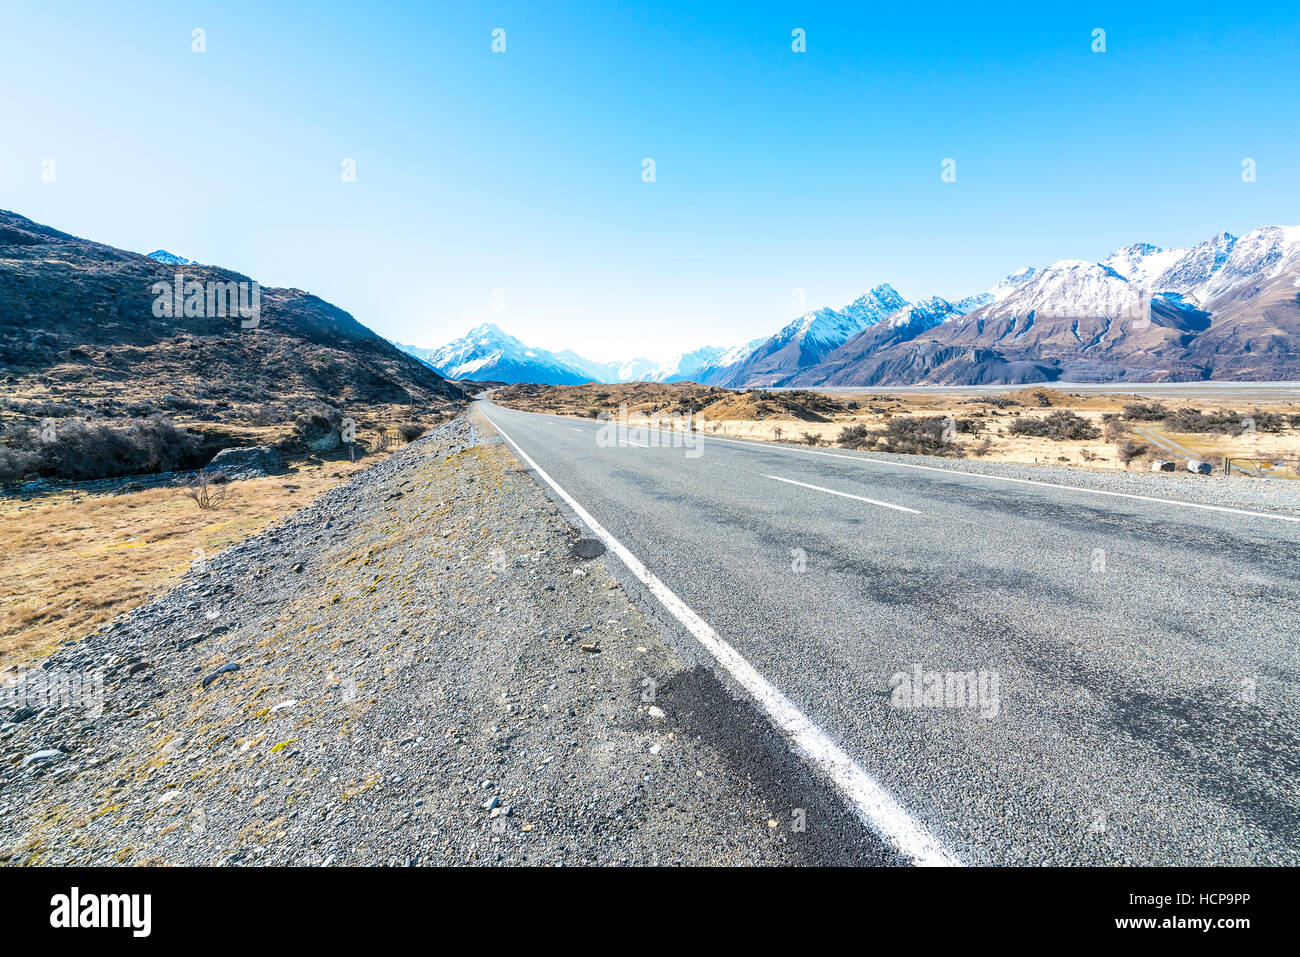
{"points": [[80, 335]]}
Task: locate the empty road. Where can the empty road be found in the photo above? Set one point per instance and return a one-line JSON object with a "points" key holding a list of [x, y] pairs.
{"points": [[1116, 677]]}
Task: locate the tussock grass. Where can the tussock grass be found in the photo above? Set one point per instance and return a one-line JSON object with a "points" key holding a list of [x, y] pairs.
{"points": [[70, 561]]}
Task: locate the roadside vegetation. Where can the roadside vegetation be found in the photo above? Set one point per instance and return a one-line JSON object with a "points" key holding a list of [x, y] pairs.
{"points": [[74, 559], [1032, 425]]}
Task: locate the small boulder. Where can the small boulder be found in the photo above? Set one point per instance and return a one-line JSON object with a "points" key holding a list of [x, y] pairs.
{"points": [[39, 757], [224, 669], [242, 463]]}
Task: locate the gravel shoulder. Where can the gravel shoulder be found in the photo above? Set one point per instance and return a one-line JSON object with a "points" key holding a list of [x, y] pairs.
{"points": [[432, 668]]}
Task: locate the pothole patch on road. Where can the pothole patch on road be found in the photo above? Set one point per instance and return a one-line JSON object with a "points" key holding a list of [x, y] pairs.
{"points": [[588, 548]]}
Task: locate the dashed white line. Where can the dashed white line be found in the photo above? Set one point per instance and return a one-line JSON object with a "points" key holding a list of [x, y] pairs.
{"points": [[767, 447], [831, 491], [875, 806]]}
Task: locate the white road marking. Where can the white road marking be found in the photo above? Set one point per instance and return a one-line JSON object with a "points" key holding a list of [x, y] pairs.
{"points": [[767, 447], [873, 804], [634, 444], [831, 491], [576, 430]]}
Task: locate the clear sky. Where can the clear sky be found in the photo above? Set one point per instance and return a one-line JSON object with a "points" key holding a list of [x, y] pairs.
{"points": [[521, 171]]}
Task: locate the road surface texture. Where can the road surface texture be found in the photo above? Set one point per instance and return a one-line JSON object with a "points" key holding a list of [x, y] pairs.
{"points": [[1135, 658]]}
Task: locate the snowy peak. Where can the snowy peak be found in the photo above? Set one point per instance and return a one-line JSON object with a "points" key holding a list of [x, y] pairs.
{"points": [[925, 314], [1013, 282], [867, 310], [1004, 288], [1192, 272], [686, 365], [1217, 265], [486, 352], [827, 328], [1070, 287], [1142, 262], [1181, 288]]}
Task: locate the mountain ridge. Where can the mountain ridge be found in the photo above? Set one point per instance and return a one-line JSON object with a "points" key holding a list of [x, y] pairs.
{"points": [[1228, 306]]}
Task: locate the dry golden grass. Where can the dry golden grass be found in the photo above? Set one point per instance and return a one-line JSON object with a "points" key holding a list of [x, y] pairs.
{"points": [[70, 561], [768, 416]]}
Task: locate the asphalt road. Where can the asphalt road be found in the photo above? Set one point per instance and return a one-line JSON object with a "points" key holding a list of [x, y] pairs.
{"points": [[1136, 685]]}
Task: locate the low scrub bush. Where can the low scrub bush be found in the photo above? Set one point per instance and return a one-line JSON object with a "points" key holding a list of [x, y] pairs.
{"points": [[1060, 426], [1145, 412], [905, 435], [80, 450]]}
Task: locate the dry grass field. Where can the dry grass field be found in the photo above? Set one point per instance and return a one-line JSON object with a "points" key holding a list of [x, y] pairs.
{"points": [[71, 559]]}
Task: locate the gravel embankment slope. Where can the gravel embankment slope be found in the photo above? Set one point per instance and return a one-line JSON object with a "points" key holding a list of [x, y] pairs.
{"points": [[430, 670]]}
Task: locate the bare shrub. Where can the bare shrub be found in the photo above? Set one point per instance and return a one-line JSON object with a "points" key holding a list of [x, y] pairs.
{"points": [[1131, 450], [208, 490], [1113, 429], [852, 436]]}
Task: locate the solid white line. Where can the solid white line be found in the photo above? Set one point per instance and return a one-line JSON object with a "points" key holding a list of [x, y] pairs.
{"points": [[767, 447], [575, 430], [832, 491], [872, 803]]}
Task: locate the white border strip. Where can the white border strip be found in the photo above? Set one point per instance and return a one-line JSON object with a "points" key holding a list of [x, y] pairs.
{"points": [[872, 803]]}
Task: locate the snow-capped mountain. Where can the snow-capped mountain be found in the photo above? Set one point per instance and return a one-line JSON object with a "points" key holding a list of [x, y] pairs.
{"points": [[807, 340], [1214, 267], [923, 315], [170, 259], [1142, 262], [1070, 287], [486, 354], [685, 366], [1226, 307], [1004, 288], [724, 363], [592, 371], [841, 365]]}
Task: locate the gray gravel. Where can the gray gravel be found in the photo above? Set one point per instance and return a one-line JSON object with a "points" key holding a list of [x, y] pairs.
{"points": [[425, 666]]}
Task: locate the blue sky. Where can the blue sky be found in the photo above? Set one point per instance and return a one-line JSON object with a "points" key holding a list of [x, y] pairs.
{"points": [[522, 171]]}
